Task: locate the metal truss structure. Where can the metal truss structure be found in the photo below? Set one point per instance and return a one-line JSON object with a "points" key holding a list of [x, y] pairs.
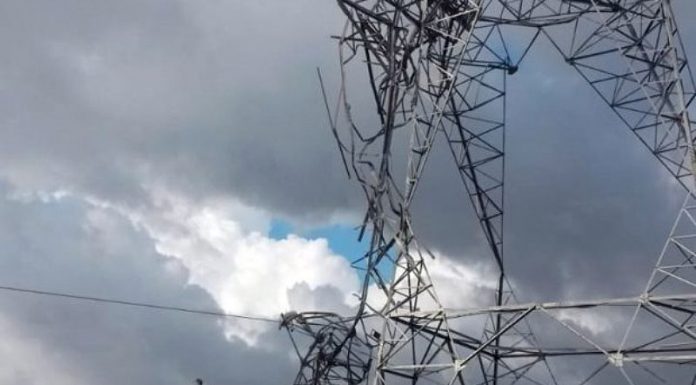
{"points": [[438, 67]]}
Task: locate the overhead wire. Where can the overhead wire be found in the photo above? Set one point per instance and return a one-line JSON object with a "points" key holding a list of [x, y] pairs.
{"points": [[137, 304]]}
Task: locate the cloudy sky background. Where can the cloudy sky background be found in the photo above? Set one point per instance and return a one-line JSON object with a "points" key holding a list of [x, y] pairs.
{"points": [[177, 152]]}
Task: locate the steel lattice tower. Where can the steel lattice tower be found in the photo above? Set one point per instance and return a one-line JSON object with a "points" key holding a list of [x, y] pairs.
{"points": [[439, 68]]}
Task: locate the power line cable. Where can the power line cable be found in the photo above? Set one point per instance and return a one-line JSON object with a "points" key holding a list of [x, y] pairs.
{"points": [[136, 304]]}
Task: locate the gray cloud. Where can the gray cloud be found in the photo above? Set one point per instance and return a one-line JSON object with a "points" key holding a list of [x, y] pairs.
{"points": [[101, 96]]}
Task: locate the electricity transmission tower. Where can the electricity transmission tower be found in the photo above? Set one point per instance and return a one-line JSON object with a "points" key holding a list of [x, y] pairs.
{"points": [[438, 68]]}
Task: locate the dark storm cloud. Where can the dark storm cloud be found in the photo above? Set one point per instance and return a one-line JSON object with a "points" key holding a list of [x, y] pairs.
{"points": [[213, 99]]}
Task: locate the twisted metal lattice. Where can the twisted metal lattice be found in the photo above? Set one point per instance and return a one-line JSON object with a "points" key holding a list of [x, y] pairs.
{"points": [[439, 68]]}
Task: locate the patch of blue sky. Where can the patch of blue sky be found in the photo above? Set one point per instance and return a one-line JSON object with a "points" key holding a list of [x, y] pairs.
{"points": [[342, 240], [279, 229]]}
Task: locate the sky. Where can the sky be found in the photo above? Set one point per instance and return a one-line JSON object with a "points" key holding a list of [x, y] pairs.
{"points": [[178, 152]]}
